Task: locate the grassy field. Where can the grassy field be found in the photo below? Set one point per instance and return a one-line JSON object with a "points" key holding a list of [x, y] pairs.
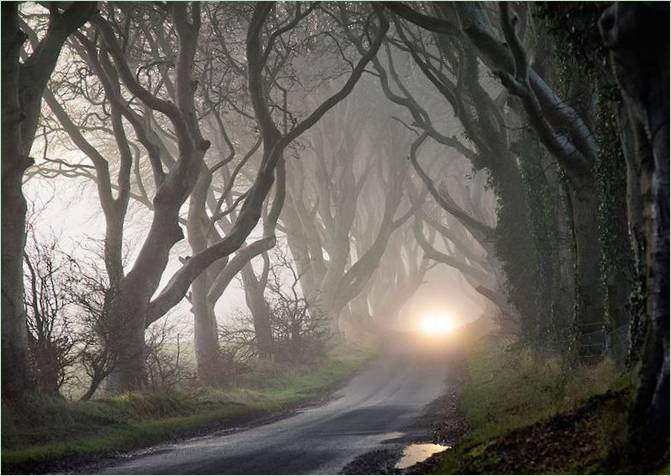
{"points": [[47, 433], [529, 416]]}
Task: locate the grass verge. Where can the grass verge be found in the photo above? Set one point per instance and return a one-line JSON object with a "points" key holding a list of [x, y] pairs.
{"points": [[526, 416], [48, 433]]}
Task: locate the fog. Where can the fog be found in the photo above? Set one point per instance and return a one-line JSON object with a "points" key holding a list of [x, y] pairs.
{"points": [[454, 213], [298, 202], [68, 208]]}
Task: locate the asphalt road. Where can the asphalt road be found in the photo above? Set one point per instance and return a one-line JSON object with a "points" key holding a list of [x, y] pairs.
{"points": [[381, 404]]}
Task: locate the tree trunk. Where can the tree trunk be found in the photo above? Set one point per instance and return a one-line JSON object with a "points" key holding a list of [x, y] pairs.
{"points": [[15, 373], [356, 317], [127, 342], [542, 188], [515, 246], [209, 366], [566, 264], [206, 337], [589, 298], [127, 309], [637, 35], [299, 240], [636, 223], [260, 312], [22, 87]]}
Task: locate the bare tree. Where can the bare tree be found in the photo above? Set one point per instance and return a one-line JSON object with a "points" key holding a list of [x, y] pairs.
{"points": [[52, 342], [23, 83], [130, 304], [165, 364], [299, 331], [274, 144], [90, 291], [332, 202]]}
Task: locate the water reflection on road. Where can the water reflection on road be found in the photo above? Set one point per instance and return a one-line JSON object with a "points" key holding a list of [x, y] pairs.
{"points": [[418, 452]]}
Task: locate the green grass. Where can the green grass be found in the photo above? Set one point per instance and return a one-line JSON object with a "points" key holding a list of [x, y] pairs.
{"points": [[45, 431], [515, 404], [509, 389]]}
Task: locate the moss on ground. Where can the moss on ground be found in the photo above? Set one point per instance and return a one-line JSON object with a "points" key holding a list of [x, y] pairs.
{"points": [[527, 416], [45, 433]]}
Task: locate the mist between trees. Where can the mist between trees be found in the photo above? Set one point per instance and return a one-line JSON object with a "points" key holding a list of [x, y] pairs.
{"points": [[329, 156]]}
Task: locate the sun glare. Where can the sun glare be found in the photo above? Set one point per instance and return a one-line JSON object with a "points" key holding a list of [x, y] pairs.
{"points": [[437, 323]]}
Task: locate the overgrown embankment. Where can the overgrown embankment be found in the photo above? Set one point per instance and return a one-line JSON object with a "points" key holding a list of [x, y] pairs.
{"points": [[46, 433], [527, 415]]}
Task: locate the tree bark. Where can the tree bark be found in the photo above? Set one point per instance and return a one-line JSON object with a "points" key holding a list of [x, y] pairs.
{"points": [[633, 150], [206, 341], [258, 306], [568, 138], [209, 365], [127, 341], [589, 295], [22, 87], [128, 305], [274, 144], [15, 374], [637, 36]]}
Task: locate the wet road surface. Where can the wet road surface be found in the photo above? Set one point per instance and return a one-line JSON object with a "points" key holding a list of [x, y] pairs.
{"points": [[381, 404]]}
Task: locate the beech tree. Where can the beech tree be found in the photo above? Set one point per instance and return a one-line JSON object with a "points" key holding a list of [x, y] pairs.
{"points": [[331, 193], [490, 139], [559, 127], [636, 37], [130, 364], [167, 150], [274, 144], [23, 83]]}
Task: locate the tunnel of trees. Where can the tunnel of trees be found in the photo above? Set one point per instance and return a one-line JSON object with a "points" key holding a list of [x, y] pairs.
{"points": [[325, 158]]}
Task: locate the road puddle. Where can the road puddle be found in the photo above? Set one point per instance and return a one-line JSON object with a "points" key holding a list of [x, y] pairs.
{"points": [[418, 452]]}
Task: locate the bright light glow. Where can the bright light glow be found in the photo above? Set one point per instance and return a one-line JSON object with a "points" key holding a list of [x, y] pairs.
{"points": [[437, 323]]}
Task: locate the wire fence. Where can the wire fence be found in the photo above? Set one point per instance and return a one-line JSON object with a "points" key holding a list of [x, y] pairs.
{"points": [[596, 343], [601, 342]]}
